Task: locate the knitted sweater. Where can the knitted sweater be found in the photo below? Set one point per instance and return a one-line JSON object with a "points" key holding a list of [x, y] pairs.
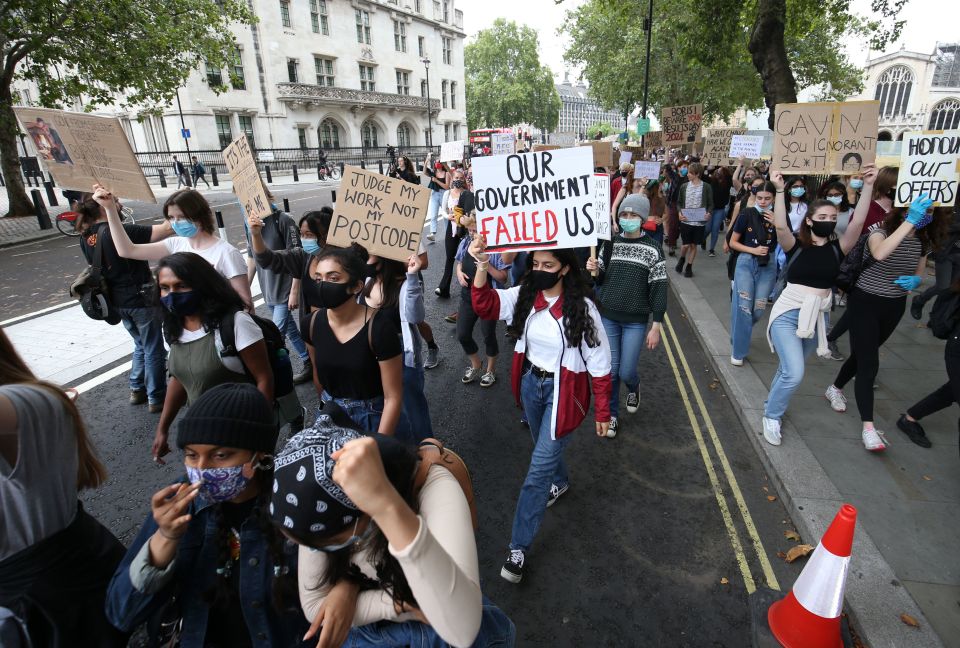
{"points": [[633, 280]]}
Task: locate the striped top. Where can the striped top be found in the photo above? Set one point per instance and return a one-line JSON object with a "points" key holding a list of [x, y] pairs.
{"points": [[877, 279]]}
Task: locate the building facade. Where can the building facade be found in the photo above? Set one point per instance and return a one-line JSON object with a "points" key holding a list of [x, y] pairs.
{"points": [[578, 111]]}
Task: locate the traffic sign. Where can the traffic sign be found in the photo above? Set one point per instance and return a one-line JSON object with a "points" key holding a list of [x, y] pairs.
{"points": [[185, 133], [643, 126]]}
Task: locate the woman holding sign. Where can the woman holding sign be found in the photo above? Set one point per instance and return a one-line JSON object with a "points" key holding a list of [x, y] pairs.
{"points": [[561, 352]]}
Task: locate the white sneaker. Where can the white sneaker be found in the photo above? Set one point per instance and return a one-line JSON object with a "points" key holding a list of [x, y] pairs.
{"points": [[612, 430], [771, 431], [874, 440], [838, 402], [736, 362], [470, 375]]}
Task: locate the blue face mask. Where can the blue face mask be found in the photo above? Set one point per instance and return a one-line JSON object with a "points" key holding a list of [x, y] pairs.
{"points": [[186, 229], [856, 183], [310, 246], [630, 225], [683, 172], [217, 484], [181, 303], [836, 200], [797, 192]]}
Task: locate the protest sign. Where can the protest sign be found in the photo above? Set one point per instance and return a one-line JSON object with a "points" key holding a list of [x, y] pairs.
{"points": [[636, 152], [247, 184], [745, 146], [929, 165], [681, 124], [546, 147], [601, 199], [563, 139], [603, 155], [716, 146], [653, 139], [451, 151], [384, 215], [502, 143], [694, 215], [648, 170], [83, 150], [626, 157], [826, 137], [538, 200]]}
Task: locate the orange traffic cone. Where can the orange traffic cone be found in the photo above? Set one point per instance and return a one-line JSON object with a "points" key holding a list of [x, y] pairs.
{"points": [[809, 616]]}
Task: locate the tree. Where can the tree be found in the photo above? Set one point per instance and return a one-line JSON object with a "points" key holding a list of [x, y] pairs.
{"points": [[505, 81], [131, 52], [600, 130]]}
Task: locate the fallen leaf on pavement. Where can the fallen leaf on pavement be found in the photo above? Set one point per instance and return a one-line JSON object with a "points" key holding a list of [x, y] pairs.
{"points": [[928, 478], [724, 581], [909, 620], [781, 555], [792, 535], [771, 498], [798, 552]]}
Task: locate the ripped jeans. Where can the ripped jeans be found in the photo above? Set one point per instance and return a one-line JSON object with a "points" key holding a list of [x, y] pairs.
{"points": [[752, 284]]}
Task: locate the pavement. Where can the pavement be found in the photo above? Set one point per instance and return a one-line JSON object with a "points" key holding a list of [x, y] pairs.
{"points": [[908, 498]]}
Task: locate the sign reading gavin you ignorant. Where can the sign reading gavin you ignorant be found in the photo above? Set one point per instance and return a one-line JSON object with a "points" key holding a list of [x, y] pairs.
{"points": [[384, 215], [535, 201], [681, 124], [825, 137], [928, 165], [247, 185]]}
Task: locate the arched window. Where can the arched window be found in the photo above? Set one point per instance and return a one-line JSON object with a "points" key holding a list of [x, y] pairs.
{"points": [[945, 115], [368, 133], [884, 136], [893, 91], [329, 134], [403, 136]]}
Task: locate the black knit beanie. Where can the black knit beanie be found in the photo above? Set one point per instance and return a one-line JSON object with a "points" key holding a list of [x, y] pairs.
{"points": [[232, 415]]}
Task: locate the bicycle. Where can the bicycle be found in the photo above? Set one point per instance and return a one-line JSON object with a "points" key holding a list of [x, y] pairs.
{"points": [[67, 221], [329, 171]]}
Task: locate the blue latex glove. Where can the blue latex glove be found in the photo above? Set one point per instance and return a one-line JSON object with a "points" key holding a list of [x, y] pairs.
{"points": [[918, 209], [908, 282]]}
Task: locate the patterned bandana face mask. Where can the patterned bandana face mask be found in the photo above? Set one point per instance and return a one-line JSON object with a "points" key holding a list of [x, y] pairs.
{"points": [[217, 484]]}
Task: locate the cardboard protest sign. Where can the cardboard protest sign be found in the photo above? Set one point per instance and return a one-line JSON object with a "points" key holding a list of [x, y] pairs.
{"points": [[502, 143], [626, 157], [563, 139], [601, 199], [825, 137], [649, 170], [681, 124], [653, 139], [546, 147], [534, 201], [747, 146], [384, 215], [451, 151], [636, 152], [247, 184], [716, 146], [929, 164], [82, 150], [603, 155]]}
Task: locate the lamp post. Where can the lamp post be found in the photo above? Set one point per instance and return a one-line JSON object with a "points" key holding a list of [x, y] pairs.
{"points": [[183, 132], [426, 65], [648, 26]]}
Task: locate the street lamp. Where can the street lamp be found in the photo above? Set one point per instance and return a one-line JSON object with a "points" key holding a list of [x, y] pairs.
{"points": [[426, 65], [183, 132]]}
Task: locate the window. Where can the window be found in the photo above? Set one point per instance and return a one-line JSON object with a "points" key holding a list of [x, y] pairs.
{"points": [[446, 133], [214, 76], [418, 6], [293, 70], [420, 48], [436, 10], [318, 17], [367, 81], [302, 137], [446, 11], [285, 13], [893, 91], [947, 72], [443, 94], [237, 79], [453, 94], [329, 134], [399, 36], [403, 136], [423, 88], [324, 70], [369, 134], [363, 26], [945, 115], [447, 50], [27, 100], [224, 133], [246, 127], [456, 132], [403, 82]]}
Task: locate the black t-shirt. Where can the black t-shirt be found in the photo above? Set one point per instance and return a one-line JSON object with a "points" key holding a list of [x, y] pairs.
{"points": [[754, 230], [225, 625], [350, 369], [817, 267], [125, 277]]}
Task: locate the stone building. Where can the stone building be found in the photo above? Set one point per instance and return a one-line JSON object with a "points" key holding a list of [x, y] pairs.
{"points": [[578, 111]]}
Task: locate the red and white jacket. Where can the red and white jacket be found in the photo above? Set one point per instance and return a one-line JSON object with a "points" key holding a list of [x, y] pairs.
{"points": [[575, 372]]}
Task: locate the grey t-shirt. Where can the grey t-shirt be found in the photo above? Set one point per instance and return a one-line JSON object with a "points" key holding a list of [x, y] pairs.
{"points": [[38, 493], [281, 234]]}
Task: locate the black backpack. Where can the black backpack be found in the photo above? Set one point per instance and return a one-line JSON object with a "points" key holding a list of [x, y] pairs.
{"points": [[91, 287], [945, 315], [854, 263], [276, 351]]}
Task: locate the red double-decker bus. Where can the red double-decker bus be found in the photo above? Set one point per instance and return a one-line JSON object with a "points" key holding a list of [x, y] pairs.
{"points": [[481, 136]]}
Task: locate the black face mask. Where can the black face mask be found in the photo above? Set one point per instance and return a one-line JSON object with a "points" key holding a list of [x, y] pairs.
{"points": [[823, 228], [543, 280], [325, 294]]}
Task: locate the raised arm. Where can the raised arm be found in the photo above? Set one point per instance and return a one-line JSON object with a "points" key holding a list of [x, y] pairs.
{"points": [[859, 217], [785, 235], [737, 174], [125, 247], [882, 248]]}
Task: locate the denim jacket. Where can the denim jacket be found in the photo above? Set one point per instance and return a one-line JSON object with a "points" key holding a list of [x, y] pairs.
{"points": [[193, 572]]}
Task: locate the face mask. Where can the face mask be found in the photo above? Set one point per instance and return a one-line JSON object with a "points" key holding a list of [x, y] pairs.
{"points": [[823, 228], [459, 184], [186, 229], [630, 225], [683, 172], [856, 183], [181, 303], [310, 246], [543, 280], [836, 200], [217, 484], [326, 294], [797, 192], [754, 190], [349, 542]]}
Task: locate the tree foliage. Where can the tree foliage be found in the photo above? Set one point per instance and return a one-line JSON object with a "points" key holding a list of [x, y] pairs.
{"points": [[600, 129], [505, 82]]}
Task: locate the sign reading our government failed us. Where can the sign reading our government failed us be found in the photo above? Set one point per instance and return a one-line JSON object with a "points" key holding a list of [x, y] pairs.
{"points": [[537, 200]]}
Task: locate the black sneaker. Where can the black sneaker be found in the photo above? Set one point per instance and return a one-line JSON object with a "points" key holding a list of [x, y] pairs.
{"points": [[914, 430], [612, 430], [680, 264], [305, 374], [689, 271], [834, 351], [671, 251], [916, 308], [633, 401], [556, 492], [512, 570], [712, 253]]}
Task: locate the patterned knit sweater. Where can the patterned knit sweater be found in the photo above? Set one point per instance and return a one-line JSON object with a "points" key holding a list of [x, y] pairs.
{"points": [[633, 280]]}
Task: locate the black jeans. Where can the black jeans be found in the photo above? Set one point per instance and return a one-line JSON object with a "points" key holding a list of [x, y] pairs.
{"points": [[450, 245], [944, 271], [949, 393], [872, 320], [466, 319], [841, 326]]}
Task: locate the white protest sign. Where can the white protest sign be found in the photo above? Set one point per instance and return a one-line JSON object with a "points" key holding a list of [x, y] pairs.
{"points": [[694, 215], [928, 165], [626, 157], [535, 201], [648, 170], [747, 146], [601, 200], [502, 143], [451, 151]]}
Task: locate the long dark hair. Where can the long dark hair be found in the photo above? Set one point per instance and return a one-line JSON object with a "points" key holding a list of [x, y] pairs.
{"points": [[836, 185], [390, 275], [932, 236], [353, 261], [805, 233], [318, 222], [194, 206], [578, 326], [217, 296]]}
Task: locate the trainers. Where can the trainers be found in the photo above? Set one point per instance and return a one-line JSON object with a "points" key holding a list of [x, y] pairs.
{"points": [[633, 401], [487, 379], [470, 375], [612, 430], [305, 374], [138, 396], [672, 251], [433, 358], [834, 351], [682, 262], [556, 492], [512, 570], [914, 431], [451, 318], [736, 362], [838, 402], [442, 295], [431, 237], [688, 272], [771, 431], [873, 440], [155, 408], [711, 253], [916, 308]]}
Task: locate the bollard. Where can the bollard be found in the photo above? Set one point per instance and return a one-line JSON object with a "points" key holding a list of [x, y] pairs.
{"points": [[3, 183], [53, 183], [341, 169], [213, 175], [380, 162], [269, 175], [296, 176], [163, 180], [286, 205], [419, 168], [319, 172], [333, 197], [363, 164], [220, 225], [43, 218], [51, 197]]}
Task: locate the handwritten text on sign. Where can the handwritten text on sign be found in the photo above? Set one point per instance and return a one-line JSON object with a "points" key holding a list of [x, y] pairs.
{"points": [[384, 215], [825, 137], [716, 146], [601, 198], [246, 180], [928, 165], [746, 146], [681, 124], [502, 143], [451, 151], [538, 200]]}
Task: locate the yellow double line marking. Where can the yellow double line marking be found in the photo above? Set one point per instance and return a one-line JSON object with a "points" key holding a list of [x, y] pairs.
{"points": [[670, 341]]}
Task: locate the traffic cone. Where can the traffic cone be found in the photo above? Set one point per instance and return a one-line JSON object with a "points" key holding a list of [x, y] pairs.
{"points": [[809, 616]]}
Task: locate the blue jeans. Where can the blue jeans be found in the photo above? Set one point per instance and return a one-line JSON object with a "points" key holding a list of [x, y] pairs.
{"points": [[433, 210], [288, 326], [792, 351], [546, 463], [752, 284], [149, 370], [713, 225], [626, 342], [496, 629], [365, 413], [414, 425]]}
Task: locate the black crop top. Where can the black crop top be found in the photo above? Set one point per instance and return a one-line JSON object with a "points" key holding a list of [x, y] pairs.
{"points": [[816, 267]]}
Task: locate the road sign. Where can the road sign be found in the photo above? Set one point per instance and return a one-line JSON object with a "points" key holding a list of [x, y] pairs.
{"points": [[643, 126], [185, 133]]}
